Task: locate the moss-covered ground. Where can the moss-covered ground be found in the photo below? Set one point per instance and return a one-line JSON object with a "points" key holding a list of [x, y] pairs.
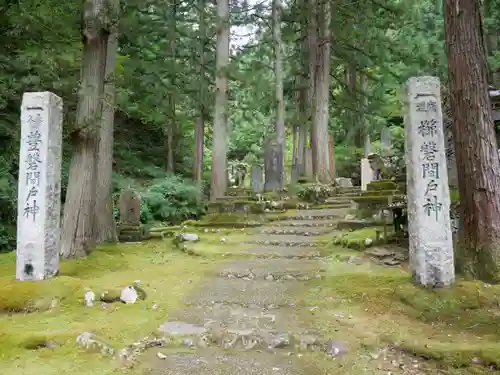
{"points": [[457, 328], [53, 311]]}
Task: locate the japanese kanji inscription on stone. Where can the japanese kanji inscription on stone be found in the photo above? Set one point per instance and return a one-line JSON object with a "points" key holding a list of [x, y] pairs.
{"points": [[39, 187], [431, 246]]}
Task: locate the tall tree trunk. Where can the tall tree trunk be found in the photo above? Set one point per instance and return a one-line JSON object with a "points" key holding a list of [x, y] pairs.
{"points": [[355, 117], [313, 47], [78, 234], [105, 220], [219, 143], [475, 143], [303, 105], [199, 135], [278, 76], [322, 85], [364, 131], [171, 100]]}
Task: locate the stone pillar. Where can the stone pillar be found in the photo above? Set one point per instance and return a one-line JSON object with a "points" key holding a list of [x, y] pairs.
{"points": [[257, 179], [366, 173], [273, 164], [431, 246], [39, 187]]}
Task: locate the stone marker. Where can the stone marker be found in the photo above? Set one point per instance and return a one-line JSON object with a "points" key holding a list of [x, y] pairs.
{"points": [[257, 185], [366, 173], [331, 153], [273, 164], [39, 187], [431, 247], [308, 163], [130, 207], [130, 216]]}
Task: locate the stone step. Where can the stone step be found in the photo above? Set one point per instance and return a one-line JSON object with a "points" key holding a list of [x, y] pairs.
{"points": [[283, 252], [305, 223], [215, 361], [301, 231], [246, 293], [291, 240], [341, 199], [314, 214], [274, 269]]}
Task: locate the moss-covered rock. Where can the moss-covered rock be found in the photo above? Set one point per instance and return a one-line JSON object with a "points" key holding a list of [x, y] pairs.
{"points": [[382, 185]]}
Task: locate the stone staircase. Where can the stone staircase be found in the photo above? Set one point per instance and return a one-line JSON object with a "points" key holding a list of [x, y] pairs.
{"points": [[247, 318]]}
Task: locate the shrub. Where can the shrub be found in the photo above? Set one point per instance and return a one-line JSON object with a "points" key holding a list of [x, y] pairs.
{"points": [[171, 200]]}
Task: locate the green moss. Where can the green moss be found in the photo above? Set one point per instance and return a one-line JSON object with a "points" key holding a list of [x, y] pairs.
{"points": [[58, 314], [382, 185], [454, 195], [356, 239], [455, 326], [373, 193], [31, 296]]}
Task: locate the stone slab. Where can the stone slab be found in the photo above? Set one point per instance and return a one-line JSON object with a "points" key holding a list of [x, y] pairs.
{"points": [[430, 235], [39, 187]]}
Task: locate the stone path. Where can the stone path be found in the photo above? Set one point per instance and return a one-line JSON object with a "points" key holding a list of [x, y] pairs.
{"points": [[251, 316]]}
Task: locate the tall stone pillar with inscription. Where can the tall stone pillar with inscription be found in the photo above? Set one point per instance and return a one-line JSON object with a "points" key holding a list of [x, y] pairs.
{"points": [[431, 246], [39, 189]]}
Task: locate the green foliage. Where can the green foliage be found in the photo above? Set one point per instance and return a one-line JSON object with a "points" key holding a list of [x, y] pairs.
{"points": [[347, 162], [171, 200]]}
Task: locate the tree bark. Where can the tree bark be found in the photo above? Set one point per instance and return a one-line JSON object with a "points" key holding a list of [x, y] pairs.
{"points": [[321, 156], [278, 76], [475, 143], [105, 220], [199, 136], [303, 105], [173, 118], [78, 234], [219, 143], [313, 52]]}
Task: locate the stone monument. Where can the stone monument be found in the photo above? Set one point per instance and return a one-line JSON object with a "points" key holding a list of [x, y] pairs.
{"points": [[366, 173], [257, 186], [430, 235], [39, 187], [273, 165], [130, 229]]}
